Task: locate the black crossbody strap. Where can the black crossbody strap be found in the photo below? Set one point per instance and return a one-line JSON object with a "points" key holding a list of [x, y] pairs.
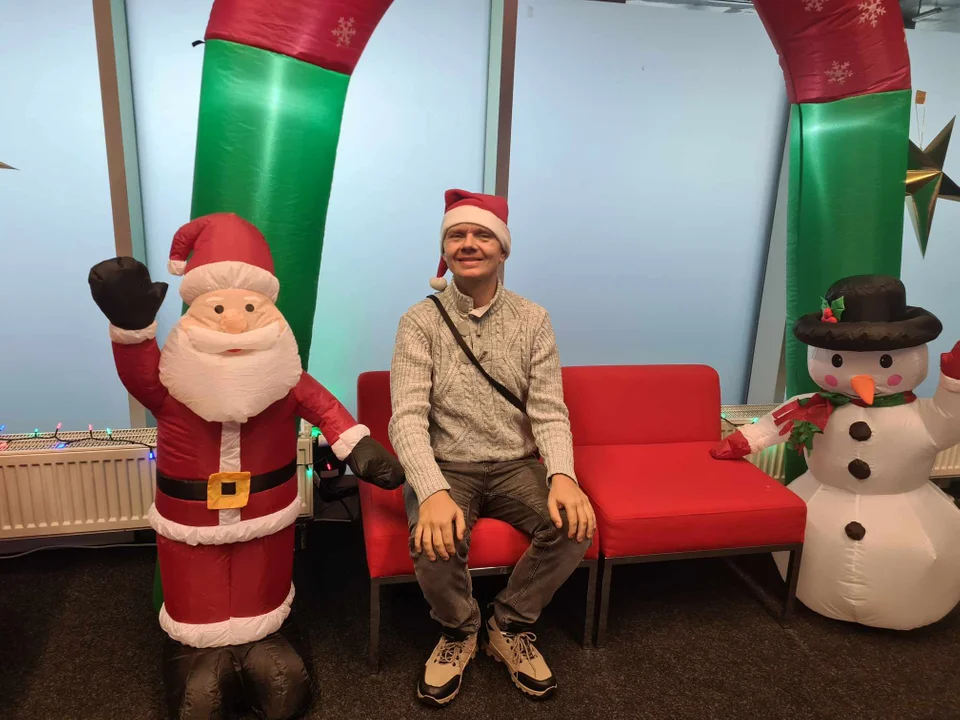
{"points": [[508, 396]]}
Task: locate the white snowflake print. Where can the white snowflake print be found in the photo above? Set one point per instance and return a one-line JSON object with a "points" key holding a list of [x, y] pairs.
{"points": [[870, 12], [838, 73], [344, 32], [813, 5]]}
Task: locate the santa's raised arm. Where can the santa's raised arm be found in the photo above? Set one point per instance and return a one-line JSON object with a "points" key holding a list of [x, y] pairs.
{"points": [[232, 354], [226, 390]]}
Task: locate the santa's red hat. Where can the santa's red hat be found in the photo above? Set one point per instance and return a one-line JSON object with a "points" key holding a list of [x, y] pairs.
{"points": [[227, 252], [488, 211]]}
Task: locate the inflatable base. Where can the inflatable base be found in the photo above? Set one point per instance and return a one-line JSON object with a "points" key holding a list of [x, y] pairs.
{"points": [[904, 574], [269, 677]]}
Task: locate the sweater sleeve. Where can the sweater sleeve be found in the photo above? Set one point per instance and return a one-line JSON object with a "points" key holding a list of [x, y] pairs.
{"points": [[548, 414], [411, 381]]}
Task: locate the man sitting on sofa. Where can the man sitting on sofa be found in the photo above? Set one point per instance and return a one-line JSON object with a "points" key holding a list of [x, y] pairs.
{"points": [[471, 449]]}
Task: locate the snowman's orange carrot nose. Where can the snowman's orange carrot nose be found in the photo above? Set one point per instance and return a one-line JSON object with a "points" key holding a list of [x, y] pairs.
{"points": [[864, 386]]}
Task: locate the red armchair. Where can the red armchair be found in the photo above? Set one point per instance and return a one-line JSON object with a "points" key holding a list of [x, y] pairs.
{"points": [[495, 546], [642, 436]]}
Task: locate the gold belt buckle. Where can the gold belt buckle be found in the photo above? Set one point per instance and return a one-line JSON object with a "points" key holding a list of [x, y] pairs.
{"points": [[228, 490]]}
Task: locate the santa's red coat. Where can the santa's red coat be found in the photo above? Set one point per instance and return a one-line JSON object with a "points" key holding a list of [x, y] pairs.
{"points": [[226, 574]]}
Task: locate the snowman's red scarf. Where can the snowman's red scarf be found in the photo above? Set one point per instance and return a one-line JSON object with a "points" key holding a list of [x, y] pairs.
{"points": [[805, 417]]}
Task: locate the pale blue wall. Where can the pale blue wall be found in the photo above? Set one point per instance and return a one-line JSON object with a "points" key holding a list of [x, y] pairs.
{"points": [[55, 222], [646, 149], [413, 127], [166, 90], [933, 281]]}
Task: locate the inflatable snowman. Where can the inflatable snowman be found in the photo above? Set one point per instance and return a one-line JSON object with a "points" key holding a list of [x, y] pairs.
{"points": [[882, 543]]}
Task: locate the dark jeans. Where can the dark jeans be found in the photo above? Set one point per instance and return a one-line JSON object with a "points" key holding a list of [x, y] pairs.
{"points": [[516, 493]]}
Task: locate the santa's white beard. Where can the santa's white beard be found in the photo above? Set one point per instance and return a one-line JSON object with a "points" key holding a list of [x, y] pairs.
{"points": [[229, 387]]}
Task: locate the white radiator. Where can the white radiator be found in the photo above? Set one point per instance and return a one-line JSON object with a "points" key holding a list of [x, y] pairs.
{"points": [[92, 486], [947, 464]]}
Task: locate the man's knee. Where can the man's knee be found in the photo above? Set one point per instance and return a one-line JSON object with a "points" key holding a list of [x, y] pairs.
{"points": [[549, 535], [462, 548]]}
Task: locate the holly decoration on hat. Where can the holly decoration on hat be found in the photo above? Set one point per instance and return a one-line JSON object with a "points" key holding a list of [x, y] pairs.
{"points": [[832, 312]]}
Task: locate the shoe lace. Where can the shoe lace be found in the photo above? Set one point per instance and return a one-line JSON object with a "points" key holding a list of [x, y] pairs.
{"points": [[450, 651], [523, 647]]}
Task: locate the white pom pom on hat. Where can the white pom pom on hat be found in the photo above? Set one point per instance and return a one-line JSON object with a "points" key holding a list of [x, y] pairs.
{"points": [[439, 283], [489, 211]]}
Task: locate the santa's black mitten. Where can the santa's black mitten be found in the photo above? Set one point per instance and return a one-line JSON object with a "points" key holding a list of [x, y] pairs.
{"points": [[371, 462], [123, 291]]}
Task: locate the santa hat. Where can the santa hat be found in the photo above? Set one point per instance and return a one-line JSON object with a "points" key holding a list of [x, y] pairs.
{"points": [[488, 211], [227, 252]]}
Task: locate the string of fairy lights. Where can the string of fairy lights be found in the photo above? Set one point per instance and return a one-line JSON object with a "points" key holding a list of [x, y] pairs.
{"points": [[93, 439], [728, 421]]}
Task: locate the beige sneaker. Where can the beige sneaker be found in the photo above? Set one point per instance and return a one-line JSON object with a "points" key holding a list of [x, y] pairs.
{"points": [[528, 669], [443, 671]]}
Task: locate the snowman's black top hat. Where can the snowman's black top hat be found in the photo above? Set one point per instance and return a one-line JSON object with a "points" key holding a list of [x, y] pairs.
{"points": [[867, 312]]}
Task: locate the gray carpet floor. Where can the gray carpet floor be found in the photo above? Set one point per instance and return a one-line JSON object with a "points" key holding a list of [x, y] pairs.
{"points": [[79, 639]]}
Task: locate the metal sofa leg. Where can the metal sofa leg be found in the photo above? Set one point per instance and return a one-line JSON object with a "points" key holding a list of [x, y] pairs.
{"points": [[373, 657], [606, 570], [591, 604], [793, 576]]}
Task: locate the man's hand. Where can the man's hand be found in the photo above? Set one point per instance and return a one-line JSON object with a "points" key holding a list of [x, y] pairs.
{"points": [[566, 494], [439, 518]]}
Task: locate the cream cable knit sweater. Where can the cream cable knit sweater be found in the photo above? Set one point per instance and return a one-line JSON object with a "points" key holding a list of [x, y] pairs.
{"points": [[444, 409]]}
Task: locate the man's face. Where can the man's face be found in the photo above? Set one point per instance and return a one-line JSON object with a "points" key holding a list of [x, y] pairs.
{"points": [[472, 252], [235, 315]]}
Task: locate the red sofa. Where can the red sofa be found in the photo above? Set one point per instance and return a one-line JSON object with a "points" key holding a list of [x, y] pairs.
{"points": [[642, 436], [495, 546]]}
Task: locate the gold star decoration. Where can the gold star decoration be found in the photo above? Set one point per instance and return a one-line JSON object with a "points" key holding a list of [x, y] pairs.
{"points": [[927, 183]]}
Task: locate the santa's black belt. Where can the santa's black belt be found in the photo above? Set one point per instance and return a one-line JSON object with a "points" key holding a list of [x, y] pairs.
{"points": [[197, 489]]}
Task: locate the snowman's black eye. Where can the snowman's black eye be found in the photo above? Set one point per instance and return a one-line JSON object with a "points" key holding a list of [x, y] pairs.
{"points": [[250, 308], [218, 309], [837, 360], [886, 361]]}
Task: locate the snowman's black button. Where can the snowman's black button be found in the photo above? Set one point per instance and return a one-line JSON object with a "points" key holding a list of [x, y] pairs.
{"points": [[859, 469], [860, 431], [855, 531]]}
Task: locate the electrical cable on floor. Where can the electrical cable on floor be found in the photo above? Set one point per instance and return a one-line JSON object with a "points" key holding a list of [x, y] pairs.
{"points": [[76, 547]]}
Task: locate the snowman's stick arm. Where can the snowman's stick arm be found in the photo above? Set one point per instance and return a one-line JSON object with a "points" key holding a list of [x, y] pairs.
{"points": [[753, 438]]}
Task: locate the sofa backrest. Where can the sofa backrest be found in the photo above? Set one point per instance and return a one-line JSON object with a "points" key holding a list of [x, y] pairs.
{"points": [[608, 404], [642, 404], [373, 404]]}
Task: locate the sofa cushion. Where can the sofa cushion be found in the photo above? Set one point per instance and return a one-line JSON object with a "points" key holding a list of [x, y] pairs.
{"points": [[674, 497]]}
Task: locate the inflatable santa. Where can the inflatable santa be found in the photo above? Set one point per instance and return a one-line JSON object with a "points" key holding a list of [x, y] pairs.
{"points": [[226, 390], [882, 544]]}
